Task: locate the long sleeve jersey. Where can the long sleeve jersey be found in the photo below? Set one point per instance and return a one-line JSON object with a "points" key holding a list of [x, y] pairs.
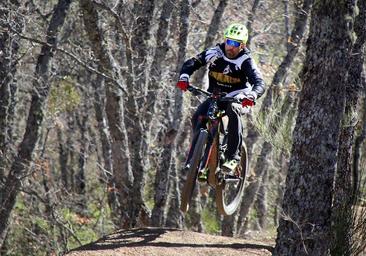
{"points": [[226, 75]]}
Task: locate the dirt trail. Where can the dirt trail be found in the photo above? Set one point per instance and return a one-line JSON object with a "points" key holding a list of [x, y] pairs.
{"points": [[172, 242]]}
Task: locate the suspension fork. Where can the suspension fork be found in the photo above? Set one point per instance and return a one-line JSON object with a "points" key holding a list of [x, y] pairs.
{"points": [[212, 151], [196, 133]]}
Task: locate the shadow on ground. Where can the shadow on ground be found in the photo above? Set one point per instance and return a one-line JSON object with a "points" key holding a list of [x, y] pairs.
{"points": [[147, 237]]}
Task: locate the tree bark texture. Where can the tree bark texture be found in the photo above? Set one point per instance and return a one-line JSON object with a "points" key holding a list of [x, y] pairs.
{"points": [[251, 20], [81, 120], [305, 228], [261, 203], [135, 102], [161, 184], [161, 49], [229, 225], [35, 118], [279, 179], [343, 188], [175, 217], [71, 151], [9, 46], [287, 22], [105, 140], [357, 152], [122, 169], [63, 159], [175, 113], [195, 210]]}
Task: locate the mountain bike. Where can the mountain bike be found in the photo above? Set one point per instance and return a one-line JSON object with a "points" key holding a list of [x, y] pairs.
{"points": [[208, 148]]}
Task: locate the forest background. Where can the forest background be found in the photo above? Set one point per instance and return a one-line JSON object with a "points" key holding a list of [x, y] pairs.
{"points": [[93, 132]]}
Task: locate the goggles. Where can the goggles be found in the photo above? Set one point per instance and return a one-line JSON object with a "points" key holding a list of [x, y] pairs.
{"points": [[232, 43]]}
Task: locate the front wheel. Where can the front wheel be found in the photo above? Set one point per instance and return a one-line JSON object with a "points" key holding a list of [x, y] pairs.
{"points": [[229, 192], [193, 170]]}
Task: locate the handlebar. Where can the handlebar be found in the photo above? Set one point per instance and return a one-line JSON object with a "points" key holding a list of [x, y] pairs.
{"points": [[197, 91]]}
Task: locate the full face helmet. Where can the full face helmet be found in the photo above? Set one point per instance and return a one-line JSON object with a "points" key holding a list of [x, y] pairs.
{"points": [[237, 32]]}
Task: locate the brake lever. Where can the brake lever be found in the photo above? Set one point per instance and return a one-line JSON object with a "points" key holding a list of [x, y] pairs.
{"points": [[195, 92]]}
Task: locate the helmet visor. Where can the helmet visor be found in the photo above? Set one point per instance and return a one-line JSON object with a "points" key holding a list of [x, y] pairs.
{"points": [[232, 43]]}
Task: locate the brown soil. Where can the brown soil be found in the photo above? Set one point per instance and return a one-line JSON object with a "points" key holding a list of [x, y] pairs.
{"points": [[172, 242]]}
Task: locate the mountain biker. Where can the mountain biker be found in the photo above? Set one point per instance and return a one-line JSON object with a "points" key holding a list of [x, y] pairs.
{"points": [[230, 68]]}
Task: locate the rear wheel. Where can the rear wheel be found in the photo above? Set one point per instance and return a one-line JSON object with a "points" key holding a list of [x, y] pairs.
{"points": [[193, 170], [230, 190]]}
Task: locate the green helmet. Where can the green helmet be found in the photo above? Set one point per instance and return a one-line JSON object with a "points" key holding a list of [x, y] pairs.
{"points": [[237, 32]]}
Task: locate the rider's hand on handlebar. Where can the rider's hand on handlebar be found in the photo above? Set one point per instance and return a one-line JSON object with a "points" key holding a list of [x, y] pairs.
{"points": [[183, 83], [249, 99], [247, 103]]}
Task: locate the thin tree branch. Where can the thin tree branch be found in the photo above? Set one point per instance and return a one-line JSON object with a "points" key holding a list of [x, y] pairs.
{"points": [[84, 64]]}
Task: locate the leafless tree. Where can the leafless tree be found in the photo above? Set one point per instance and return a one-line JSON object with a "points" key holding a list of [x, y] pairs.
{"points": [[22, 161], [305, 227], [343, 189]]}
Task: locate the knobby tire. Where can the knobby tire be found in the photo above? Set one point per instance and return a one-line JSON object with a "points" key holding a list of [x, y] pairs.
{"points": [[193, 171], [222, 190]]}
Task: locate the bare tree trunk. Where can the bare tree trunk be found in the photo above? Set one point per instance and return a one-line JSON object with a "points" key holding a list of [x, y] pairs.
{"points": [[343, 190], [45, 169], [294, 43], [156, 71], [251, 20], [71, 151], [357, 148], [175, 217], [173, 126], [161, 184], [195, 210], [81, 120], [260, 203], [229, 225], [63, 159], [138, 138], [252, 133], [210, 36], [280, 189], [305, 228], [122, 170], [100, 116], [105, 140], [39, 96], [162, 180], [9, 46], [287, 23]]}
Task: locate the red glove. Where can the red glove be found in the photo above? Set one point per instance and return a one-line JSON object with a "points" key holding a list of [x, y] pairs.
{"points": [[249, 100], [183, 85], [247, 103]]}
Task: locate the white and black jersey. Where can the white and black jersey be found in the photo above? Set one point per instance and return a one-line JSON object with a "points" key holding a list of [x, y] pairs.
{"points": [[226, 75]]}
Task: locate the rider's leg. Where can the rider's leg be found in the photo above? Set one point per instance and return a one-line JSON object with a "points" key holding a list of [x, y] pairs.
{"points": [[235, 132]]}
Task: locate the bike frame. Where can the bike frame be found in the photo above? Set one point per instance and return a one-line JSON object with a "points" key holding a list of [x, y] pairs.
{"points": [[205, 153], [214, 125]]}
